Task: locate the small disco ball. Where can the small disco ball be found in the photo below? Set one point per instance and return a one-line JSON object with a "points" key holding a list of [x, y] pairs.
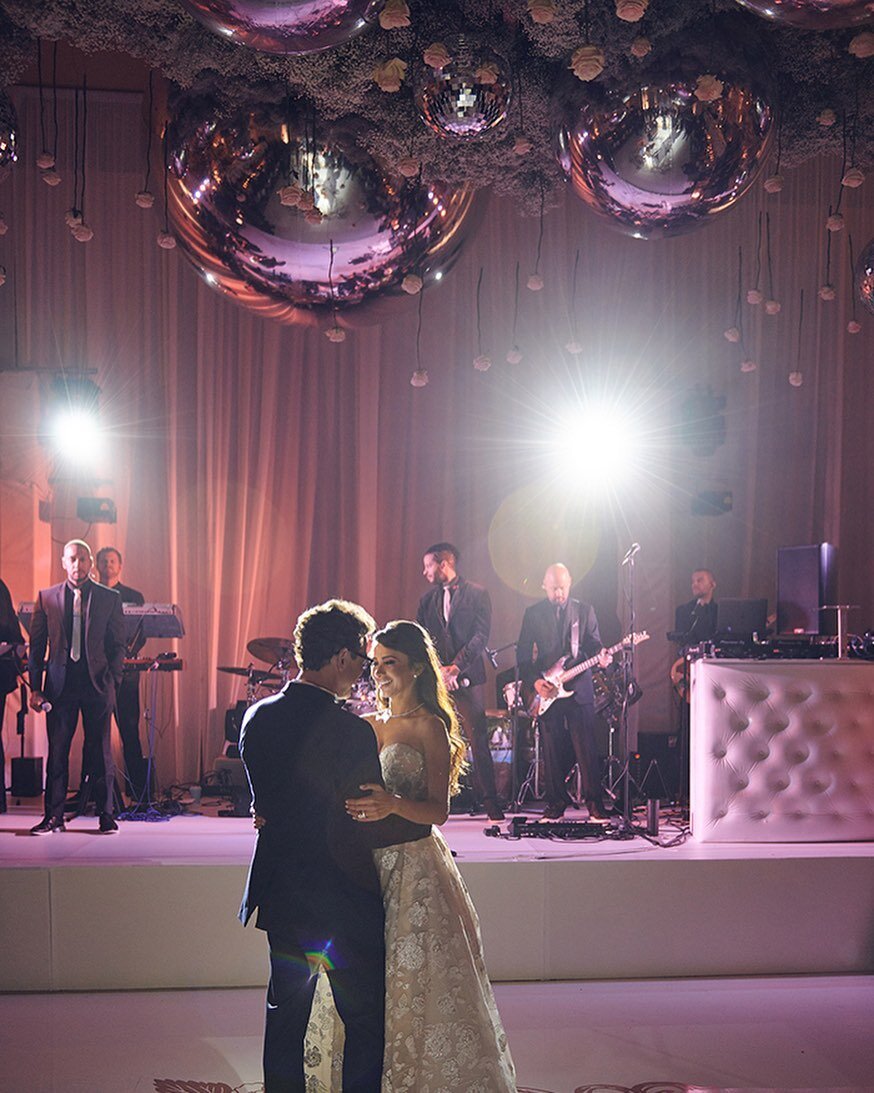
{"points": [[864, 278], [351, 233], [652, 158], [812, 14], [8, 136], [469, 96], [292, 27]]}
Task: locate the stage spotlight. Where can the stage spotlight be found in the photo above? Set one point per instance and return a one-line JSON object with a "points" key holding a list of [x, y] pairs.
{"points": [[598, 446], [72, 427]]}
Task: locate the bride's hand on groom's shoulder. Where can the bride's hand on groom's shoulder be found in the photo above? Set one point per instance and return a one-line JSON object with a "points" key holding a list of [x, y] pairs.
{"points": [[375, 806]]}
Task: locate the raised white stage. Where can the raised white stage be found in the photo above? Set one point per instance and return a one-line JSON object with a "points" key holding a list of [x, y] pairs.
{"points": [[154, 906]]}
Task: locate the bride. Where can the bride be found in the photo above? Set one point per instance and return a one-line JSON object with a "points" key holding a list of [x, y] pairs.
{"points": [[443, 1030]]}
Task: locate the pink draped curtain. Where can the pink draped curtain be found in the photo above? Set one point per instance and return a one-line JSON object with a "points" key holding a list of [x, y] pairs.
{"points": [[258, 468]]}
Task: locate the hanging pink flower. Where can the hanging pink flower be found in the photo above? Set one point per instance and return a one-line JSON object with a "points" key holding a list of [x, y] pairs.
{"points": [[827, 117], [587, 62], [4, 227], [482, 363], [45, 160], [826, 292], [631, 11], [640, 47], [335, 334], [51, 177], [514, 355], [535, 282], [82, 233], [313, 216], [166, 240], [708, 88], [835, 222], [389, 75], [772, 307], [754, 297], [144, 199], [748, 365], [542, 11], [796, 379], [487, 73], [2, 275], [419, 378], [436, 55], [395, 15], [853, 178], [862, 46], [290, 195], [522, 146], [409, 166], [573, 347], [774, 184], [412, 284], [853, 327], [732, 334]]}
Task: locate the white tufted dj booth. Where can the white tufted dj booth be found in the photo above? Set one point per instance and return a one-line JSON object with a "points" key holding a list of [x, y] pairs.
{"points": [[782, 751]]}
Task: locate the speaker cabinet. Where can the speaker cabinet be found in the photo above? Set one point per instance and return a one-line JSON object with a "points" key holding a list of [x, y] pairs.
{"points": [[27, 777], [806, 582]]}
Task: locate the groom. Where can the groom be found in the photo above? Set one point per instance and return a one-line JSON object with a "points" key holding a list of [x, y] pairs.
{"points": [[312, 876]]}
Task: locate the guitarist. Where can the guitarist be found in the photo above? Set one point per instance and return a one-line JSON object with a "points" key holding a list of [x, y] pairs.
{"points": [[560, 627]]}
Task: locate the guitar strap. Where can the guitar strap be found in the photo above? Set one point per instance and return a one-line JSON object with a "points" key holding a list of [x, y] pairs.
{"points": [[575, 633]]}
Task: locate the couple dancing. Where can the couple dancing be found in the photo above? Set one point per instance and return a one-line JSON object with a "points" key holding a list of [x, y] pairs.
{"points": [[349, 877]]}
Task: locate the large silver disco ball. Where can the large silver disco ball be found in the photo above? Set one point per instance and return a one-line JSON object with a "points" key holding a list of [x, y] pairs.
{"points": [[354, 236], [286, 26], [8, 136], [864, 278], [470, 95], [654, 159], [812, 14]]}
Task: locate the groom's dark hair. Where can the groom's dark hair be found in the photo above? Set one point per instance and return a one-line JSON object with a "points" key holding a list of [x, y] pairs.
{"points": [[323, 630]]}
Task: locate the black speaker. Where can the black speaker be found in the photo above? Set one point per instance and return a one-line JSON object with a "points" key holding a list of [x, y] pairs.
{"points": [[806, 581], [234, 722], [27, 777]]}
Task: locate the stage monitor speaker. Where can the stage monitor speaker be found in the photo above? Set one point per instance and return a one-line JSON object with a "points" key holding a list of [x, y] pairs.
{"points": [[806, 582], [27, 777]]}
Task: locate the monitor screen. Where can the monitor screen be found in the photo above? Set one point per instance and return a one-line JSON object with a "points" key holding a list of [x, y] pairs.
{"points": [[741, 618]]}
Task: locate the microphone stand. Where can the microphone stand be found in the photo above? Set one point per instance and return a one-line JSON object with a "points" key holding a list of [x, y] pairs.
{"points": [[492, 654], [625, 825]]}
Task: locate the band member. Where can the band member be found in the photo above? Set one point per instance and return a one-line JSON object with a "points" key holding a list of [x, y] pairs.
{"points": [[82, 625], [127, 709], [458, 616], [695, 621], [11, 649], [558, 629]]}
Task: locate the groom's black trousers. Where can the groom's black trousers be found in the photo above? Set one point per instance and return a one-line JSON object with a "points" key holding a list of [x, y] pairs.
{"points": [[358, 984]]}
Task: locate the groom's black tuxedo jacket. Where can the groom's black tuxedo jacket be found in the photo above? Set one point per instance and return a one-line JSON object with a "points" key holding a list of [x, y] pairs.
{"points": [[312, 875], [542, 642]]}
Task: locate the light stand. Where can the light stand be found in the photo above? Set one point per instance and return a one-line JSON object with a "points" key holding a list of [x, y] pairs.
{"points": [[513, 709]]}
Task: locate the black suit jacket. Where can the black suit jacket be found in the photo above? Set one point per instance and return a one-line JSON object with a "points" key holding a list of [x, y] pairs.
{"points": [[312, 873], [104, 640], [696, 621], [470, 619], [541, 643]]}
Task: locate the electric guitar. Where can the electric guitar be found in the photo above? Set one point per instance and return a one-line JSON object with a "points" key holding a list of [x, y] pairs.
{"points": [[559, 675]]}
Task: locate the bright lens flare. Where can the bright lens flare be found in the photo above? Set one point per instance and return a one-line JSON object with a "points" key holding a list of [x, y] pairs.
{"points": [[78, 437], [609, 436]]}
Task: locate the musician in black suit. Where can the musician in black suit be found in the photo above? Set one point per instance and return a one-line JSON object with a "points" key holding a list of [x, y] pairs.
{"points": [[561, 628], [458, 616], [312, 877], [695, 621], [82, 626], [11, 649], [127, 701]]}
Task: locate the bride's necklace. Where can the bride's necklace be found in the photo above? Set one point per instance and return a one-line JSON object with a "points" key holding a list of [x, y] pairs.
{"points": [[407, 713]]}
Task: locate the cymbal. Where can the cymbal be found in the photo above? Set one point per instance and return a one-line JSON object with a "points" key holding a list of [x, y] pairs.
{"points": [[271, 650], [256, 674]]}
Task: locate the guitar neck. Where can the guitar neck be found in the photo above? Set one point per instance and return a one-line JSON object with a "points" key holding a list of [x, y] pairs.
{"points": [[578, 669]]}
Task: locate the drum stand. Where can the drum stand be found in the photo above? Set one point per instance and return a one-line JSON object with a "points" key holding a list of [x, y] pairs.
{"points": [[531, 781]]}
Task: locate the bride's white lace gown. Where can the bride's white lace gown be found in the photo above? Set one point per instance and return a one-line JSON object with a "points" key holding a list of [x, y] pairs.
{"points": [[443, 1030]]}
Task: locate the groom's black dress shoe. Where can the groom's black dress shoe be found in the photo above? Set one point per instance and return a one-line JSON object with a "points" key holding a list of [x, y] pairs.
{"points": [[47, 826]]}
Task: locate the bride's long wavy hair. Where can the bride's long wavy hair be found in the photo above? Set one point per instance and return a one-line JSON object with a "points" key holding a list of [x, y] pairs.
{"points": [[415, 643]]}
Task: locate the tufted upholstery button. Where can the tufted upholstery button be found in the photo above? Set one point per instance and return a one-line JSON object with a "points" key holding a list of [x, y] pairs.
{"points": [[720, 752], [762, 754]]}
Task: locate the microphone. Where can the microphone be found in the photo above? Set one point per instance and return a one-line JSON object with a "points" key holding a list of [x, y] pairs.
{"points": [[492, 654], [629, 554], [45, 707]]}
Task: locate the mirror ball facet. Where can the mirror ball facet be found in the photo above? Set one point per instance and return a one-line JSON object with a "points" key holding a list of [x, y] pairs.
{"points": [[652, 158], [8, 136], [454, 101], [865, 278], [373, 228], [286, 26], [812, 14]]}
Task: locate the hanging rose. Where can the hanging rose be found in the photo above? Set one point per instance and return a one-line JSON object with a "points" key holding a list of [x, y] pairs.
{"points": [[826, 292], [631, 11], [409, 166], [395, 15], [535, 282], [72, 217], [290, 195], [45, 160], [144, 199], [772, 307], [796, 379], [732, 334], [542, 11], [754, 297], [487, 73], [166, 240], [436, 55], [574, 347], [313, 216], [835, 222], [862, 46], [51, 177], [853, 178], [514, 355], [482, 363], [708, 88], [522, 146], [4, 227], [82, 233], [640, 47], [412, 284], [587, 62], [335, 334], [774, 184], [827, 117], [2, 275], [389, 75], [748, 365], [306, 201], [419, 378], [853, 327]]}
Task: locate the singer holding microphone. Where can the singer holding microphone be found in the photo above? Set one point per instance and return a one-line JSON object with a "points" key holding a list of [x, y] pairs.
{"points": [[81, 624], [458, 616]]}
